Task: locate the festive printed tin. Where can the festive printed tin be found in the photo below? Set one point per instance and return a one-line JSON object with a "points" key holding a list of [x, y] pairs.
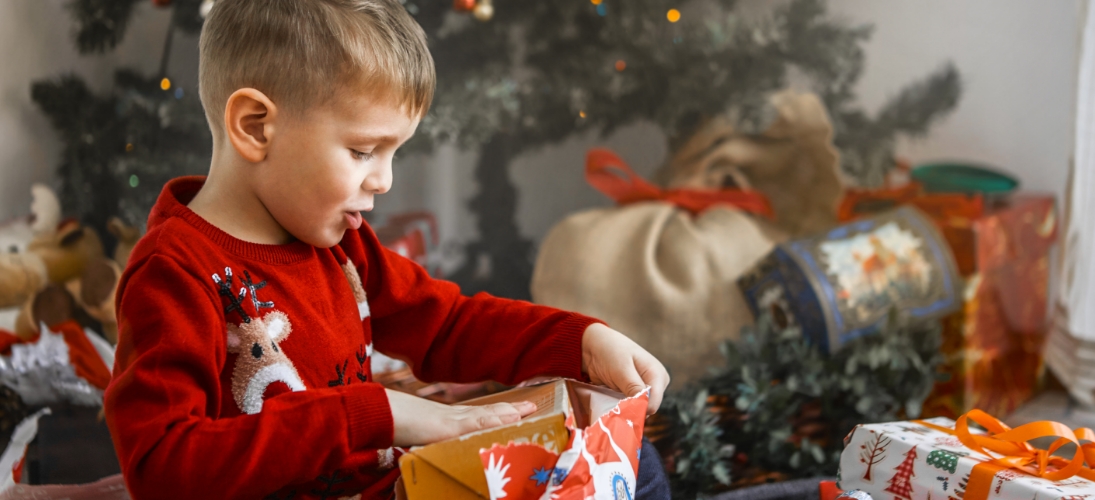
{"points": [[843, 284]]}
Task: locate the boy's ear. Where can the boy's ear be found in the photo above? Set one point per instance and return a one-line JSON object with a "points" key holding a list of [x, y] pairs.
{"points": [[249, 118]]}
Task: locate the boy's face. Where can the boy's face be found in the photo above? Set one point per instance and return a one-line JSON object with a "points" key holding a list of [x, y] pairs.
{"points": [[329, 162]]}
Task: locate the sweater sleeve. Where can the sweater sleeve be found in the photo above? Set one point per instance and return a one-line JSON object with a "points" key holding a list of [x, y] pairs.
{"points": [[163, 402], [446, 336]]}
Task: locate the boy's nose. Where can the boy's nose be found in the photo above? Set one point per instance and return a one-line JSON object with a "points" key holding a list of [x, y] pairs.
{"points": [[380, 180]]}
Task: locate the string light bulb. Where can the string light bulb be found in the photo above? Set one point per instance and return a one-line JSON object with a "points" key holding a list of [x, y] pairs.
{"points": [[621, 65], [673, 15], [483, 11], [165, 84]]}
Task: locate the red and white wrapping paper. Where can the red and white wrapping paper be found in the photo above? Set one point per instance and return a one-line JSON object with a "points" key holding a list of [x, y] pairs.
{"points": [[599, 462]]}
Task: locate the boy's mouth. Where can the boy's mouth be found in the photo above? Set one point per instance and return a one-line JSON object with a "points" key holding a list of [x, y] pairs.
{"points": [[354, 220]]}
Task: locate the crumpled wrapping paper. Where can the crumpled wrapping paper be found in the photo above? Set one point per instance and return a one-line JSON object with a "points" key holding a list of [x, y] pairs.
{"points": [[599, 463], [63, 364]]}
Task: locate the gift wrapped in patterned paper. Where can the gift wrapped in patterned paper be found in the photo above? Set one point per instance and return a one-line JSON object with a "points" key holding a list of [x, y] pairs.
{"points": [[841, 284], [993, 344], [945, 459]]}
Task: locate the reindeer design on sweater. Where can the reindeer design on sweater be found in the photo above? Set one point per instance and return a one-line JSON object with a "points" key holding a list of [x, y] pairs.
{"points": [[260, 362], [359, 296], [357, 288]]}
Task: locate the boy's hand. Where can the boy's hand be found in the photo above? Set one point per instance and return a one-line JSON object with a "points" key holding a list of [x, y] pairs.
{"points": [[611, 359], [420, 421]]}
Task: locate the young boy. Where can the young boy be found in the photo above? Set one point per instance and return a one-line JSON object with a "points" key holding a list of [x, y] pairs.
{"points": [[249, 312]]}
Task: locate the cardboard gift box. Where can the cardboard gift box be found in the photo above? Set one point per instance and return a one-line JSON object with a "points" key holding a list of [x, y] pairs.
{"points": [[554, 448], [993, 344], [934, 458], [842, 284]]}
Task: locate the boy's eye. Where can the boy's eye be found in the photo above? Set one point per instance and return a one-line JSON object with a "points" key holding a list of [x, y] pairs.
{"points": [[359, 155]]}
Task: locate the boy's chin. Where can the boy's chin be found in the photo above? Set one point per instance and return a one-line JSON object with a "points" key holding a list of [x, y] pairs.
{"points": [[324, 239]]}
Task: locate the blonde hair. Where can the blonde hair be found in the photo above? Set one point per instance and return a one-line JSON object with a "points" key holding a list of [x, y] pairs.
{"points": [[301, 53]]}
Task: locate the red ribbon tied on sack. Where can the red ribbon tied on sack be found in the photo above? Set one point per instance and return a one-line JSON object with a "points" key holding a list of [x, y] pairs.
{"points": [[610, 175], [1008, 448]]}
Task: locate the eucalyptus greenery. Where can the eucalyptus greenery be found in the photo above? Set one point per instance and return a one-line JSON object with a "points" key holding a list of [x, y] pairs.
{"points": [[780, 405]]}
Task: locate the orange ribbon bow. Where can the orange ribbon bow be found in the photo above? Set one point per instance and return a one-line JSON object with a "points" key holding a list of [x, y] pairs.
{"points": [[610, 175], [1008, 448]]}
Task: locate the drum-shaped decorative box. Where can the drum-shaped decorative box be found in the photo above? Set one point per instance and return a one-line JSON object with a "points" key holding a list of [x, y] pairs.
{"points": [[844, 283]]}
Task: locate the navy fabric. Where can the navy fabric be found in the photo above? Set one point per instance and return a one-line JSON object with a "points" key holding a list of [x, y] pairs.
{"points": [[650, 480], [801, 489]]}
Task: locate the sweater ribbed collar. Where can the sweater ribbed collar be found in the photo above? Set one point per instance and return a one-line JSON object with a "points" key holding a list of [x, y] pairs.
{"points": [[172, 203]]}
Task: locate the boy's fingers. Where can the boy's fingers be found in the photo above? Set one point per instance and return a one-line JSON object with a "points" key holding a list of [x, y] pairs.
{"points": [[477, 418], [483, 422], [494, 415], [655, 401], [657, 378], [633, 383], [525, 408]]}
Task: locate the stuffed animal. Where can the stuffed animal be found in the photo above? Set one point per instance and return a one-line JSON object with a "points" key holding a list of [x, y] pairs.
{"points": [[61, 273], [67, 251], [94, 293], [52, 257], [22, 274], [127, 239]]}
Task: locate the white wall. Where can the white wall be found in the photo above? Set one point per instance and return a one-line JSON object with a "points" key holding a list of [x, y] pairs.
{"points": [[1018, 61], [35, 43]]}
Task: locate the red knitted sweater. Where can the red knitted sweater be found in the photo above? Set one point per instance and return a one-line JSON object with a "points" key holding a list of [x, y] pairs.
{"points": [[243, 369]]}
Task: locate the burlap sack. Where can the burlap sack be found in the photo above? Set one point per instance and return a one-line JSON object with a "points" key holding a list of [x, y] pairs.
{"points": [[657, 273], [793, 162], [663, 267]]}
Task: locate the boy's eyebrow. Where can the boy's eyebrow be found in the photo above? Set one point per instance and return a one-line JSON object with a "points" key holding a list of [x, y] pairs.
{"points": [[376, 139], [371, 138]]}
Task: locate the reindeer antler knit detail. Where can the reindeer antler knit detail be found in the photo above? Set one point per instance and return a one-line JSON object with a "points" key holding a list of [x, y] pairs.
{"points": [[235, 303], [254, 288]]}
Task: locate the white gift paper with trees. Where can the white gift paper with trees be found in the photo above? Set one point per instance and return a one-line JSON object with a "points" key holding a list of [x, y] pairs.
{"points": [[945, 459]]}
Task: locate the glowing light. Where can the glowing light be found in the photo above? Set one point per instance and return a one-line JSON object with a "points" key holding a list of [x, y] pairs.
{"points": [[621, 65], [133, 181], [582, 114], [596, 2], [129, 147], [673, 15], [165, 84]]}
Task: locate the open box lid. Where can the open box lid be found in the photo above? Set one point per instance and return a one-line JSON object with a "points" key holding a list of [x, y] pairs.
{"points": [[585, 402], [556, 401]]}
